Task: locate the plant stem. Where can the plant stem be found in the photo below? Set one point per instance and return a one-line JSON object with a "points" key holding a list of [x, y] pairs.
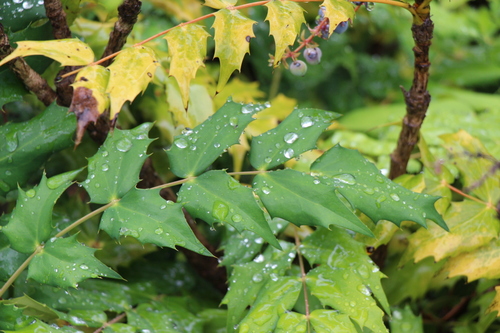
{"points": [[19, 270], [303, 275]]}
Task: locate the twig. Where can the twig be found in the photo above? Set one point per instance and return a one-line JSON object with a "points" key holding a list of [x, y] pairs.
{"points": [[111, 322], [303, 275]]}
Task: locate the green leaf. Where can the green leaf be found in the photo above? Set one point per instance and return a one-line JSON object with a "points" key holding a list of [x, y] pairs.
{"points": [[68, 52], [285, 19], [194, 150], [33, 308], [291, 322], [326, 321], [36, 327], [346, 293], [216, 197], [187, 46], [304, 200], [295, 135], [218, 4], [277, 298], [115, 168], [11, 317], [13, 88], [366, 189], [143, 214], [405, 321], [26, 146], [248, 279], [338, 11], [338, 250], [91, 317], [31, 221], [64, 262], [232, 40], [126, 81]]}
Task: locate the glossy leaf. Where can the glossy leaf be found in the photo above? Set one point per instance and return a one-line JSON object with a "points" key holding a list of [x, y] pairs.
{"points": [[405, 321], [338, 250], [291, 322], [338, 11], [64, 262], [366, 189], [233, 32], [115, 168], [35, 327], [471, 224], [325, 321], [293, 136], [346, 293], [126, 81], [278, 298], [32, 307], [187, 47], [304, 200], [144, 215], [285, 20], [26, 146], [31, 221], [195, 150], [216, 197], [68, 52], [248, 279]]}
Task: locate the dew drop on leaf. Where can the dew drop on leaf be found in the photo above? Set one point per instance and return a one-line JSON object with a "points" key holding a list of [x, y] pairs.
{"points": [[84, 267], [257, 278], [159, 231], [368, 190], [345, 178], [268, 160], [104, 153], [124, 145], [220, 210], [394, 196], [181, 143], [290, 137], [259, 258], [246, 109], [233, 121], [306, 122], [266, 190], [31, 193], [55, 182], [105, 167], [289, 153], [237, 218], [11, 141]]}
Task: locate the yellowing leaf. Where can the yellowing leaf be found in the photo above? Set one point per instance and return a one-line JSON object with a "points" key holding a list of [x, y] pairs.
{"points": [[232, 40], [495, 305], [239, 91], [218, 4], [281, 107], [69, 52], [130, 74], [182, 10], [337, 11], [482, 263], [471, 224], [285, 19], [187, 46]]}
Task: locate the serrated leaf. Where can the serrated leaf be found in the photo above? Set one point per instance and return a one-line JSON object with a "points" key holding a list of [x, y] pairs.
{"points": [[68, 52], [338, 250], [366, 189], [248, 279], [11, 317], [31, 221], [26, 146], [194, 150], [218, 4], [293, 136], [471, 224], [285, 19], [187, 46], [326, 321], [341, 291], [64, 262], [126, 81], [338, 11], [291, 322], [474, 161], [303, 200], [216, 197], [32, 307], [232, 40], [37, 326], [277, 298], [405, 321], [144, 215], [115, 168], [481, 263]]}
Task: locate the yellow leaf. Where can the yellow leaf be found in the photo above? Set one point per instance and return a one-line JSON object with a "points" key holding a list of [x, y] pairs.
{"points": [[96, 79], [69, 52], [182, 10], [281, 107], [218, 4], [187, 46], [471, 224], [240, 92], [285, 19], [338, 11], [130, 74], [481, 263], [232, 40], [495, 305]]}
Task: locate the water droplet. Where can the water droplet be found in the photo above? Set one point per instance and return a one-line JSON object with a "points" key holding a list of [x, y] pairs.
{"points": [[220, 210], [381, 198], [237, 218], [233, 121], [124, 145], [368, 190], [11, 141], [364, 290], [181, 143], [31, 193], [345, 178], [306, 122], [316, 181], [266, 190], [104, 153], [291, 137], [56, 181], [105, 167], [216, 145], [163, 206], [257, 278], [289, 153], [379, 179], [259, 258], [267, 104], [158, 231], [268, 160], [394, 196], [84, 267], [62, 300], [247, 109], [187, 131], [369, 6], [352, 303]]}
